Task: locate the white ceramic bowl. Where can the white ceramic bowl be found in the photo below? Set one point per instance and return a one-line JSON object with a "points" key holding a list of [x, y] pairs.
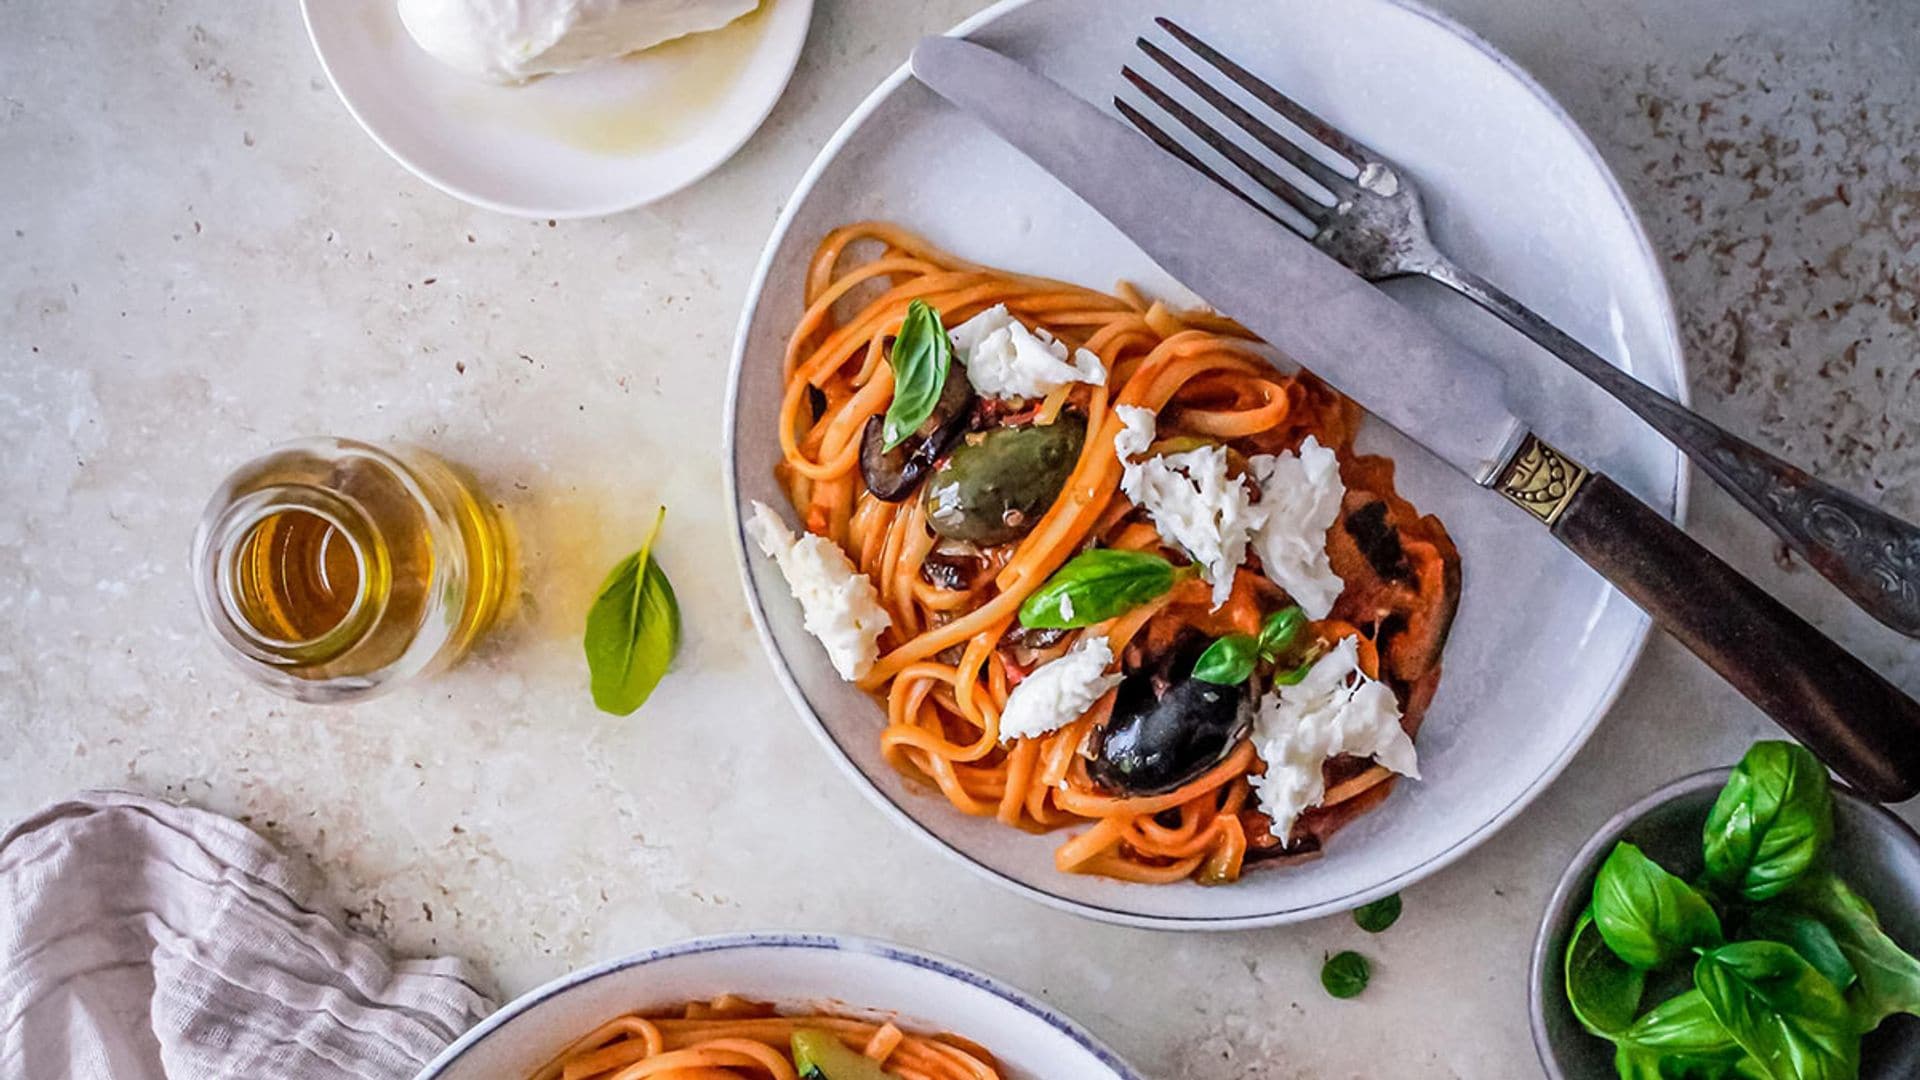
{"points": [[846, 975], [1541, 644], [582, 144]]}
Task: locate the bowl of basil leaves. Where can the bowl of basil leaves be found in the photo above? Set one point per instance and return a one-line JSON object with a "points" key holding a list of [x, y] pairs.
{"points": [[1753, 923]]}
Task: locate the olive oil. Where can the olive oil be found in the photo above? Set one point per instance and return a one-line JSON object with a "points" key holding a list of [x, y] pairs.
{"points": [[330, 569]]}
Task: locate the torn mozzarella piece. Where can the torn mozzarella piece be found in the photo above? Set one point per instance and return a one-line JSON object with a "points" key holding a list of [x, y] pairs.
{"points": [[1005, 358], [1192, 501], [1299, 501], [513, 40], [1060, 691], [1335, 710], [839, 604]]}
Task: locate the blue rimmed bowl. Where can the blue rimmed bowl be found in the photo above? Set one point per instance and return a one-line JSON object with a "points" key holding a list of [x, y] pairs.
{"points": [[797, 972], [1876, 852]]}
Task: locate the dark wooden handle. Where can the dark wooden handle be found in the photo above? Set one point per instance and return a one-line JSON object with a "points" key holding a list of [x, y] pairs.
{"points": [[1861, 725]]}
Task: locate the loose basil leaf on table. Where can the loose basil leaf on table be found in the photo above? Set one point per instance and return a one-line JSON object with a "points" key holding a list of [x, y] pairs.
{"points": [[1345, 974], [920, 359], [1229, 661], [1889, 976], [1648, 916], [1681, 1037], [1808, 936], [1603, 990], [1770, 823], [633, 630], [1377, 916], [1095, 586], [1782, 1011]]}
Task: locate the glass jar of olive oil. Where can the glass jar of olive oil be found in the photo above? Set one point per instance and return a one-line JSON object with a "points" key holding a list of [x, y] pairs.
{"points": [[330, 569]]}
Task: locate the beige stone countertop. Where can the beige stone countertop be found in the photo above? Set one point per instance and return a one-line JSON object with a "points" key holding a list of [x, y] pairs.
{"points": [[201, 254]]}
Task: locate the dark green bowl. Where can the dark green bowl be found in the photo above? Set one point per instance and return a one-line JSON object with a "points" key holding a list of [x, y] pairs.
{"points": [[1876, 852]]}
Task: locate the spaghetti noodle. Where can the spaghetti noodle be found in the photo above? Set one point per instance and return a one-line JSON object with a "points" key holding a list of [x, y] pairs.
{"points": [[955, 649], [732, 1038]]}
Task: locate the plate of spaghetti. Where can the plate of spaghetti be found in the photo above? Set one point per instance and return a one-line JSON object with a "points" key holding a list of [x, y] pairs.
{"points": [[778, 1007], [1105, 596]]}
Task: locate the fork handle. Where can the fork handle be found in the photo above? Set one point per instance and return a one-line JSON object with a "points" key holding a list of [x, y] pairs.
{"points": [[1872, 556], [1852, 718]]}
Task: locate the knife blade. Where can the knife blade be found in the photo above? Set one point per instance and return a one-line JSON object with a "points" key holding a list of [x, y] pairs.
{"points": [[1443, 395], [1409, 373]]}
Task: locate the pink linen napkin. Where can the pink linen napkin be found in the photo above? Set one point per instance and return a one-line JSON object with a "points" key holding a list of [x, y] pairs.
{"points": [[141, 939]]}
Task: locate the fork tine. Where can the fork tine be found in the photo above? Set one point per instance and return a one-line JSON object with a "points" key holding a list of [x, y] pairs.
{"points": [[1356, 152], [1317, 170], [1314, 210], [1173, 146]]}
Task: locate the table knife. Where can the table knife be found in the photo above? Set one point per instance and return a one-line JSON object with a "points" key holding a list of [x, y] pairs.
{"points": [[1409, 373]]}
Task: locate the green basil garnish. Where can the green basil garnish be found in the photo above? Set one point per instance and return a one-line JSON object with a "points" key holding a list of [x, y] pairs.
{"points": [[1095, 586], [921, 355], [1229, 661], [1345, 974], [1648, 916], [633, 629], [1780, 1010], [1888, 977], [1681, 1037], [1603, 989], [1279, 630], [1770, 822], [1377, 916]]}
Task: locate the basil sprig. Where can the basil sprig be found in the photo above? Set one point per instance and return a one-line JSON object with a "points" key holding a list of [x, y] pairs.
{"points": [[1770, 822], [1648, 916], [1095, 586], [1808, 971], [1231, 660], [921, 356], [633, 630]]}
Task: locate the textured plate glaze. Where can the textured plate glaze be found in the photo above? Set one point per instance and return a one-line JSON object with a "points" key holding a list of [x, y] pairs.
{"points": [[586, 143], [1514, 190], [846, 975]]}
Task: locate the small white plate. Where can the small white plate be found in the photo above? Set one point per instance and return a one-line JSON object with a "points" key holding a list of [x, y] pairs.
{"points": [[1541, 644], [583, 144], [834, 972]]}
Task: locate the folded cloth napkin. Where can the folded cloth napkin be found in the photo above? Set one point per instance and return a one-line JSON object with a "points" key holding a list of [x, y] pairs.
{"points": [[140, 939]]}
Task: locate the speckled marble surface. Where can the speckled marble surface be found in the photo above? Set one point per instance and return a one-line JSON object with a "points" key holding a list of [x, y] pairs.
{"points": [[203, 255]]}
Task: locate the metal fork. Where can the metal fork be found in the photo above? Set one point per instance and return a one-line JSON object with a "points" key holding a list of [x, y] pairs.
{"points": [[1376, 227]]}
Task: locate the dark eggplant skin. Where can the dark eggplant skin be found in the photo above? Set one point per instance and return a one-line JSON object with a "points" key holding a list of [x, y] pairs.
{"points": [[996, 488], [1168, 727], [893, 474]]}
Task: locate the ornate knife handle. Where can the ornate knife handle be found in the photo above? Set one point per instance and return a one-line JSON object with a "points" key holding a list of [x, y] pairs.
{"points": [[1869, 554], [1857, 722]]}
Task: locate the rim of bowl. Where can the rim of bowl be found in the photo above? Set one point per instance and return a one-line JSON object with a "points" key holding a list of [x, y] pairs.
{"points": [[780, 939], [1609, 832], [789, 60], [743, 554]]}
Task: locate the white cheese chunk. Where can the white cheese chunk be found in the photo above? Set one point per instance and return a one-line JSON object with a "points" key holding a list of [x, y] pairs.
{"points": [[840, 605], [1335, 710], [1299, 500], [1005, 358], [1192, 501], [512, 40], [1060, 691]]}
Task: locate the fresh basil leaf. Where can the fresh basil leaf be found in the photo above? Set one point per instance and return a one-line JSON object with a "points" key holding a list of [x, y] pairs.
{"points": [[1808, 936], [1889, 976], [921, 357], [1345, 974], [1095, 586], [1229, 661], [1680, 1037], [1602, 989], [1772, 820], [1279, 630], [1648, 916], [1377, 916], [1782, 1011], [633, 630], [1296, 676]]}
